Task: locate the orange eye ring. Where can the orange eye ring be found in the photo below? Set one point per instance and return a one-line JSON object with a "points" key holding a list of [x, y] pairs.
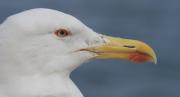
{"points": [[62, 33]]}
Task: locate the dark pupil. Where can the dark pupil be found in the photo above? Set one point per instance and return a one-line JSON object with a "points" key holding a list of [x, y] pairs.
{"points": [[62, 32]]}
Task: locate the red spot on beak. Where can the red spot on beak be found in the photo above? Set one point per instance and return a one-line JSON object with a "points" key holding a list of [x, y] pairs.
{"points": [[139, 57]]}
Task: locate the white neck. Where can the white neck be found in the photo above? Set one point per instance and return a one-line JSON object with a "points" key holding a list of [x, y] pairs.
{"points": [[38, 85], [47, 79], [35, 80]]}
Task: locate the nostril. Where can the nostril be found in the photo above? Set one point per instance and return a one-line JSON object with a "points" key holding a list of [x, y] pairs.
{"points": [[129, 46]]}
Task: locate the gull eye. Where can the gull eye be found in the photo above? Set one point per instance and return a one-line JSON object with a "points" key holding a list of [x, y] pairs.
{"points": [[62, 33]]}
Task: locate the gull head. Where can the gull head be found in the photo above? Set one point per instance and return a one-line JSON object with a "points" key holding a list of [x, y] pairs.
{"points": [[46, 41]]}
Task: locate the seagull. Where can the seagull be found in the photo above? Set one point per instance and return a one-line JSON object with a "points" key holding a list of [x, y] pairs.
{"points": [[39, 48]]}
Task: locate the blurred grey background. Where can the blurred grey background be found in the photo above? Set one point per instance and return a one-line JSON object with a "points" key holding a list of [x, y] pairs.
{"points": [[156, 22]]}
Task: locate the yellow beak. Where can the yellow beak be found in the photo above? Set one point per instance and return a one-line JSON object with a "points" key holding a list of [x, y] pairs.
{"points": [[119, 48]]}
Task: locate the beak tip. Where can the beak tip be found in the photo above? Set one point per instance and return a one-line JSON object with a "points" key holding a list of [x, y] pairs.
{"points": [[154, 58], [155, 61]]}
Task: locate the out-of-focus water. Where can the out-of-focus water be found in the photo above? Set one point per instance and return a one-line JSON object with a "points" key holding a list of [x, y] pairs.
{"points": [[156, 22]]}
